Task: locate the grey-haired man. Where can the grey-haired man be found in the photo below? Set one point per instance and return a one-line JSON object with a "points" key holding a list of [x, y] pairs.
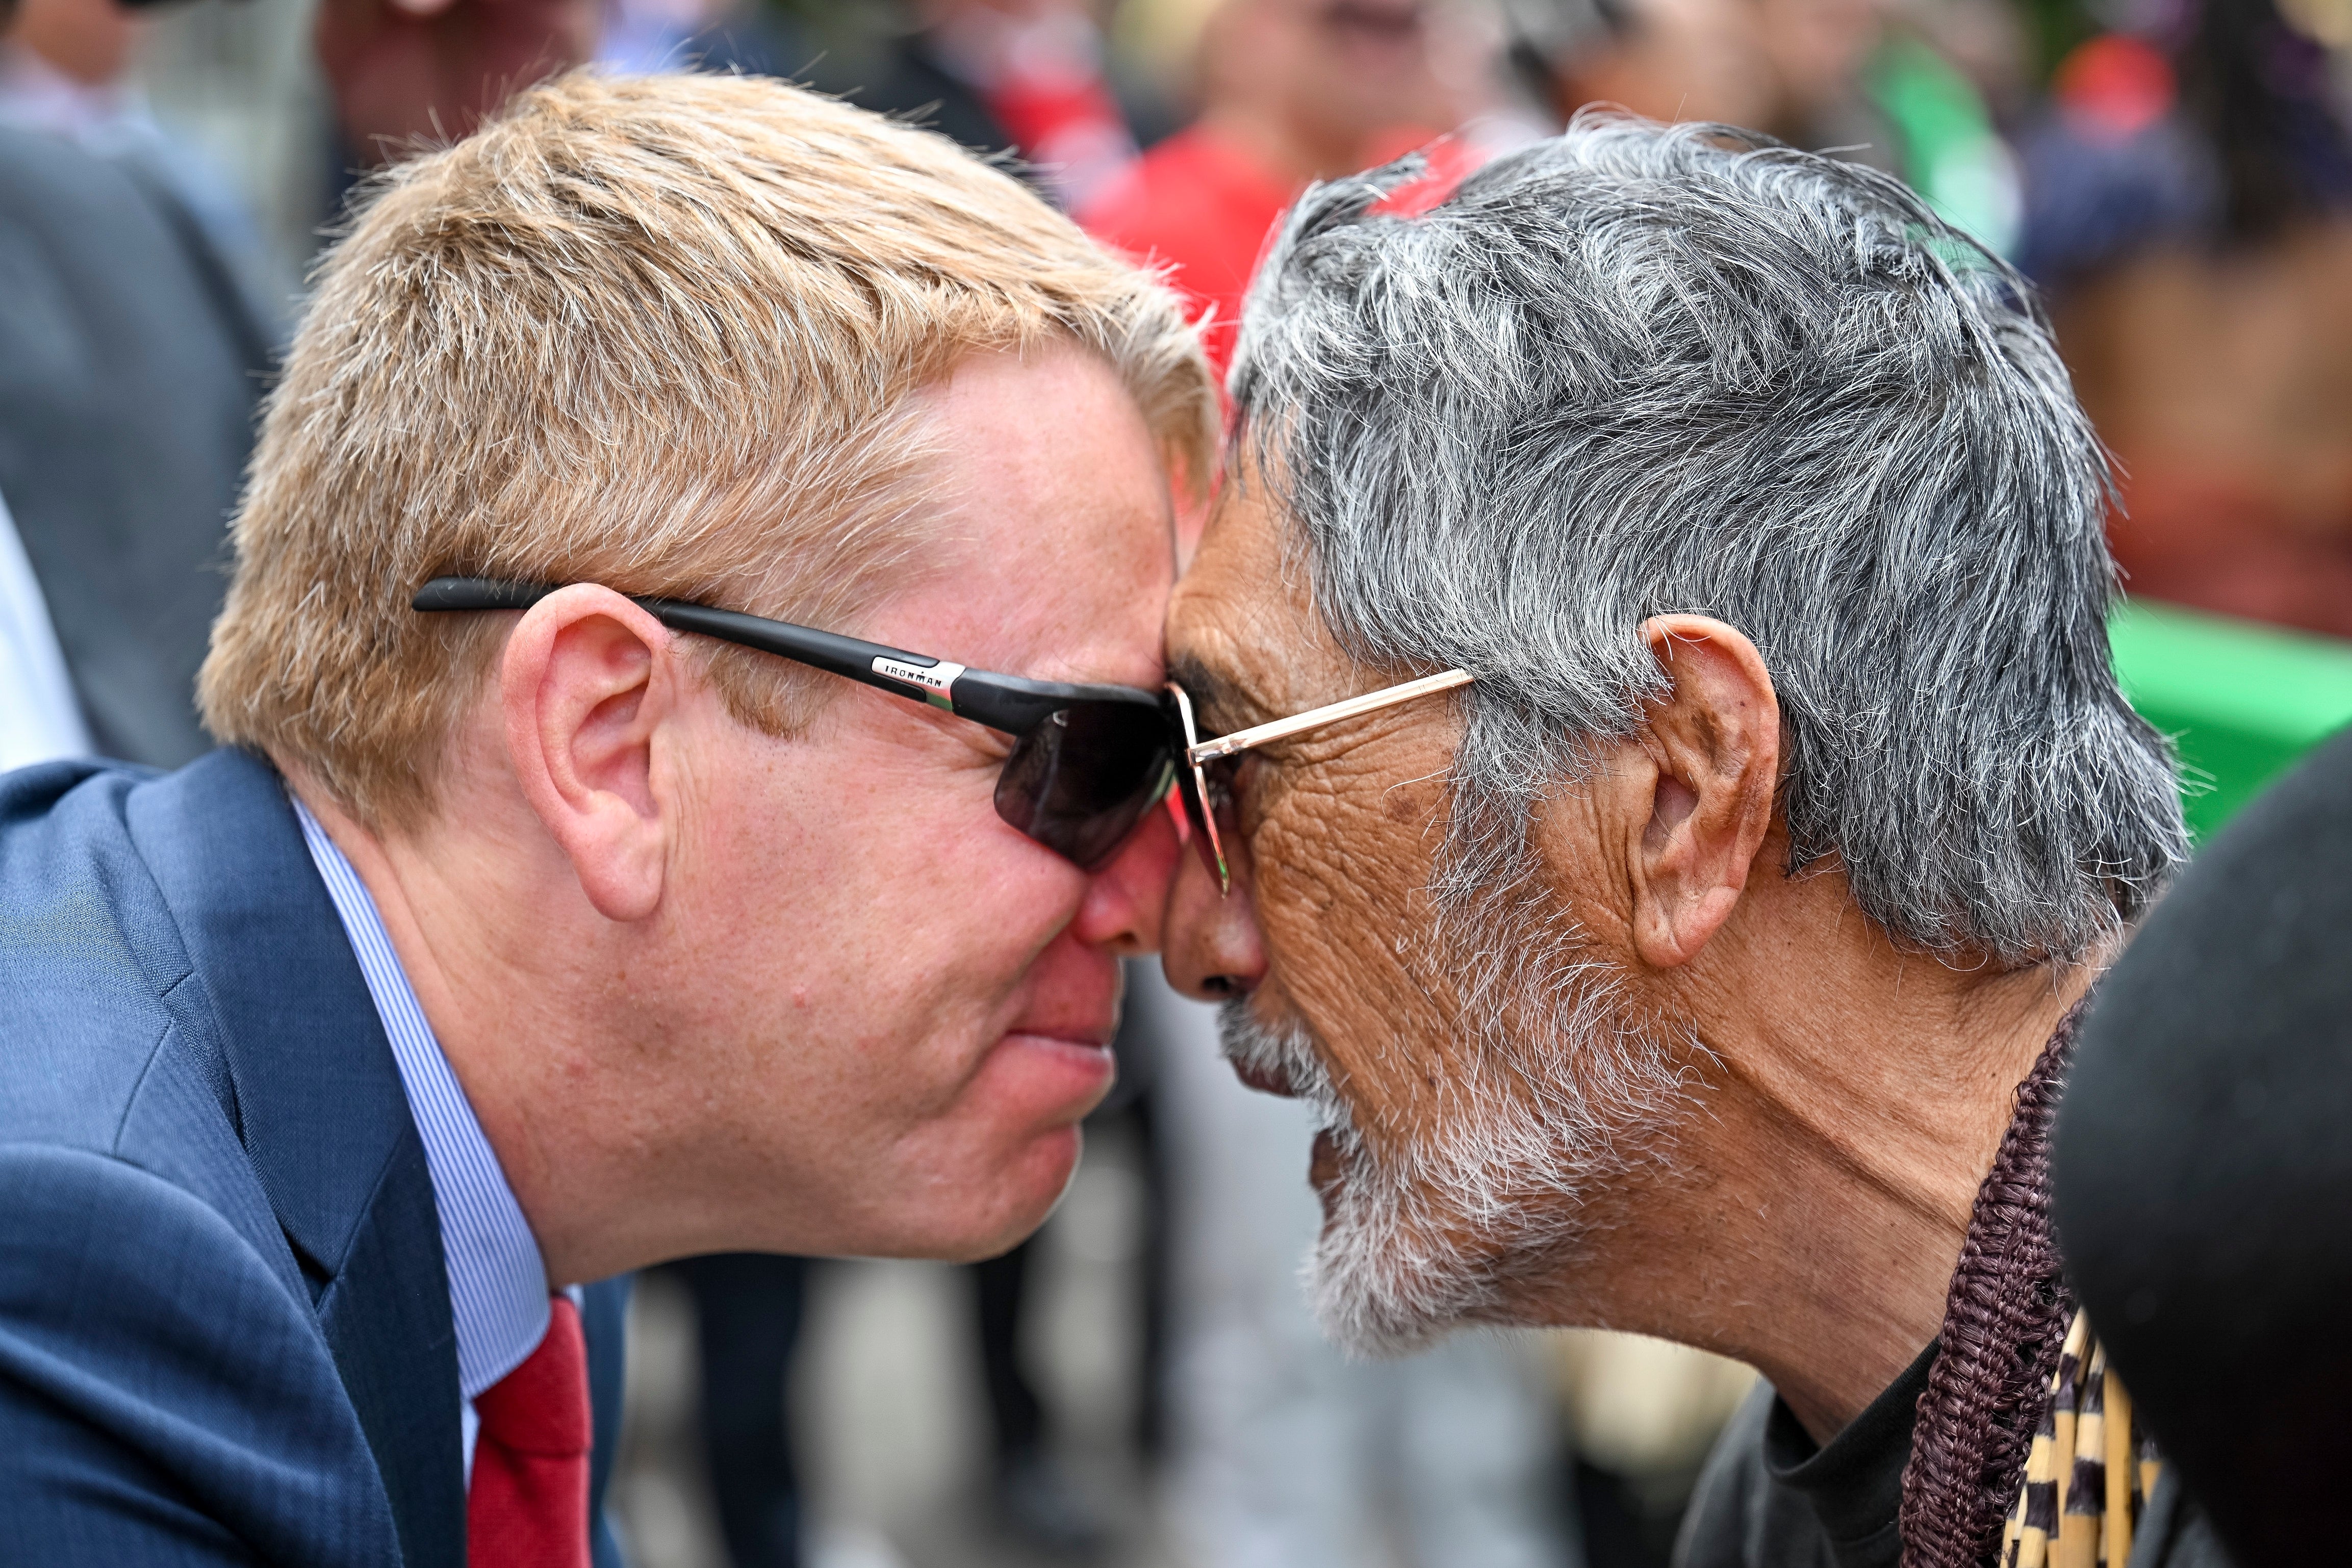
{"points": [[1688, 969]]}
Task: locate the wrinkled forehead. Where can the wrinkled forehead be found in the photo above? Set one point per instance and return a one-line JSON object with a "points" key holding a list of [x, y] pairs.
{"points": [[1243, 635]]}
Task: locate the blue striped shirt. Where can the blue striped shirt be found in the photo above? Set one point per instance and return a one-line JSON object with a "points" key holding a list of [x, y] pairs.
{"points": [[497, 1284]]}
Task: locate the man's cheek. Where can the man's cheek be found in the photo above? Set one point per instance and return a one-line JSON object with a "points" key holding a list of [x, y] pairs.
{"points": [[1323, 887], [1374, 1044], [1330, 930]]}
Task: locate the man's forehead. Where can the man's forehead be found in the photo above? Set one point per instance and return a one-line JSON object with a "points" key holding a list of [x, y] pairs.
{"points": [[1051, 554], [1243, 634]]}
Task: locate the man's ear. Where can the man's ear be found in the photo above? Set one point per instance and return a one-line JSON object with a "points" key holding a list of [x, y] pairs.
{"points": [[1713, 745], [585, 681]]}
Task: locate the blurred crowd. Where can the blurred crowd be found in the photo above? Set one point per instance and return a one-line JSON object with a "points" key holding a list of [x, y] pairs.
{"points": [[2175, 176]]}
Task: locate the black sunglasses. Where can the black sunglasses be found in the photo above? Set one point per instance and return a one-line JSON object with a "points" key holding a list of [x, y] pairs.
{"points": [[1089, 761]]}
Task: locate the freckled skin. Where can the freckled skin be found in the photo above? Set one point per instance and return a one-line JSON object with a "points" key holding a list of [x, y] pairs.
{"points": [[1804, 1211]]}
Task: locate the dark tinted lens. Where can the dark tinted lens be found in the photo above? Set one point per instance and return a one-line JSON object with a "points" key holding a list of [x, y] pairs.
{"points": [[1081, 781]]}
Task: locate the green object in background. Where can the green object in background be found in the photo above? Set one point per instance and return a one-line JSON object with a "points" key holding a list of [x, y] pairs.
{"points": [[1949, 151], [2241, 700]]}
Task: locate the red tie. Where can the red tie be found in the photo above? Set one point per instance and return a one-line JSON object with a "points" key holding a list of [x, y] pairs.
{"points": [[527, 1507]]}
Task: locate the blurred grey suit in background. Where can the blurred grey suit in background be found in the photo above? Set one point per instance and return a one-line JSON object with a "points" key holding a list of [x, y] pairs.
{"points": [[132, 352]]}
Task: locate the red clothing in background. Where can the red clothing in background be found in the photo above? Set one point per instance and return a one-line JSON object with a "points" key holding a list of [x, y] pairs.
{"points": [[1203, 209], [1200, 208]]}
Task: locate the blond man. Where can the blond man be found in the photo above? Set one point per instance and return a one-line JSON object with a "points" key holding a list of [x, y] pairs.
{"points": [[692, 738]]}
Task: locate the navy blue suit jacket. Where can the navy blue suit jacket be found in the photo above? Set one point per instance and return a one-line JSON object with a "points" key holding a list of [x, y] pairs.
{"points": [[224, 1329]]}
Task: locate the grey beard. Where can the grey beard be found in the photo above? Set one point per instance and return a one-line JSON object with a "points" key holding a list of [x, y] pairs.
{"points": [[1553, 1089]]}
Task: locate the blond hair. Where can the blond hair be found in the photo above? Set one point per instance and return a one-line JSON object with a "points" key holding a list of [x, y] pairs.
{"points": [[660, 333]]}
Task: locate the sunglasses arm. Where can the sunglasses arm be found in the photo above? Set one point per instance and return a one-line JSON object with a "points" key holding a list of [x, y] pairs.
{"points": [[888, 669], [1005, 703]]}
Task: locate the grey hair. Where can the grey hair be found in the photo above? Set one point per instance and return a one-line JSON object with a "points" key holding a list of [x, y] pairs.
{"points": [[1638, 369]]}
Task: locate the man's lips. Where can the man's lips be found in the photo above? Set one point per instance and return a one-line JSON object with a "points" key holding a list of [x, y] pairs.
{"points": [[1061, 1075], [1264, 1080], [1084, 1042], [1091, 1039], [1323, 1165], [1091, 1047]]}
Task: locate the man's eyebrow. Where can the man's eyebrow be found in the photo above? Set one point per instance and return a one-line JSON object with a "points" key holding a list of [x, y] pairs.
{"points": [[1207, 690]]}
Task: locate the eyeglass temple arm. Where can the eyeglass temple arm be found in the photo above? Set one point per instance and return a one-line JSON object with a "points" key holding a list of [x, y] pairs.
{"points": [[984, 698], [1316, 718]]}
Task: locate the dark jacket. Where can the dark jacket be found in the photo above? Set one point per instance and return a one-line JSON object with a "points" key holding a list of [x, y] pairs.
{"points": [[224, 1325]]}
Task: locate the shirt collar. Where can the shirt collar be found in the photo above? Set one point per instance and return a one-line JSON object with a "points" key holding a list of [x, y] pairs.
{"points": [[40, 720], [498, 1283], [1855, 1483]]}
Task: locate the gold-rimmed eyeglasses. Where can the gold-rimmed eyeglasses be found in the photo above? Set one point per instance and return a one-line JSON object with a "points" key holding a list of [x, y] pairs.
{"points": [[1208, 794]]}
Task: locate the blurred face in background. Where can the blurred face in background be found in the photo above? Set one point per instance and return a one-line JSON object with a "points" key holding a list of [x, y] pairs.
{"points": [[91, 41], [1779, 66], [406, 71], [1679, 59], [1337, 75]]}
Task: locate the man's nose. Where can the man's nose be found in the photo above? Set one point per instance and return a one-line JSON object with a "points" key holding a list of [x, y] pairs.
{"points": [[1211, 947], [1126, 899]]}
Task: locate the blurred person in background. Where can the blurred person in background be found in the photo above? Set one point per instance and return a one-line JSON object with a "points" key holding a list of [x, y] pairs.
{"points": [[139, 322], [67, 67], [516, 936], [749, 1311], [753, 36], [410, 73], [1901, 85], [2191, 218], [1027, 77], [134, 333], [1666, 60], [1708, 966], [1289, 91]]}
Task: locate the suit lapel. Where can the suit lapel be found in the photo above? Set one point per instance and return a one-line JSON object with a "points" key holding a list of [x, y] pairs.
{"points": [[324, 1118]]}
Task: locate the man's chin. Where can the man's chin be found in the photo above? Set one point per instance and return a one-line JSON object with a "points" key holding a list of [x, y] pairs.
{"points": [[1032, 1186], [975, 1207], [1383, 1283]]}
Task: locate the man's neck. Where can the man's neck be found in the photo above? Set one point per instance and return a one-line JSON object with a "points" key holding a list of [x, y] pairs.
{"points": [[478, 973], [1818, 1195]]}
